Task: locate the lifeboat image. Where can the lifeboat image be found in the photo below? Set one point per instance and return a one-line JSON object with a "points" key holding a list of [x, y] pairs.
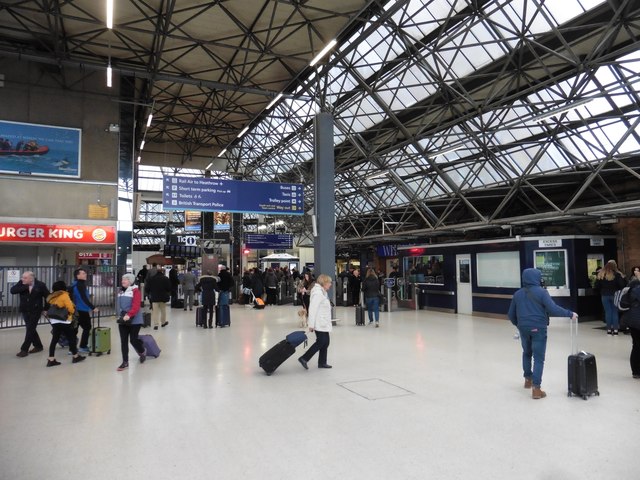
{"points": [[22, 149]]}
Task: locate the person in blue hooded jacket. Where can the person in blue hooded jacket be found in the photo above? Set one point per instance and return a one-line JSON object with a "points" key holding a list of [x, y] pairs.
{"points": [[530, 309]]}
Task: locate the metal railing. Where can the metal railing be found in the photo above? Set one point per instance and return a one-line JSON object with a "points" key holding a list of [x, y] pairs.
{"points": [[103, 282]]}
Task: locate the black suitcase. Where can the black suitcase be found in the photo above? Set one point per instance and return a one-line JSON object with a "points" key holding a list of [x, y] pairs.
{"points": [[583, 375], [223, 316], [359, 315], [201, 316], [275, 356], [177, 303], [582, 372]]}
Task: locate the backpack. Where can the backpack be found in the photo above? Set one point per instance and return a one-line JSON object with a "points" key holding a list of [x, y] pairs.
{"points": [[622, 300]]}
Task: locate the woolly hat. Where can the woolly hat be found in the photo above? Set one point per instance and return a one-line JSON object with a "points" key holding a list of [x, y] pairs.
{"points": [[131, 277]]}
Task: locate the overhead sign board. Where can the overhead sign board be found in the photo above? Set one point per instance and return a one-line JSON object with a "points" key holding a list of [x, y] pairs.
{"points": [[259, 241], [212, 194]]}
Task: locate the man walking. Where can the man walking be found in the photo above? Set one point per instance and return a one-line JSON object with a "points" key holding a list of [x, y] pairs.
{"points": [[33, 294], [80, 297]]}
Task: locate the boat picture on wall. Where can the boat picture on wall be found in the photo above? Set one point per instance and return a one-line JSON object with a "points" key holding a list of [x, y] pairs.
{"points": [[32, 149]]}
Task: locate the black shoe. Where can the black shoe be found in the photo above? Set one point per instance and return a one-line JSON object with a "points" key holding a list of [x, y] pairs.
{"points": [[155, 328], [52, 363], [143, 356], [204, 326], [303, 362], [615, 332], [609, 332], [165, 324], [22, 353], [123, 366], [326, 365], [77, 359], [36, 350]]}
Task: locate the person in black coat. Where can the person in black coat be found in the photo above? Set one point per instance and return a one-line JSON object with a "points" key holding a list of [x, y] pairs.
{"points": [[257, 284], [33, 303], [224, 285], [158, 288], [208, 285], [632, 320], [175, 281]]}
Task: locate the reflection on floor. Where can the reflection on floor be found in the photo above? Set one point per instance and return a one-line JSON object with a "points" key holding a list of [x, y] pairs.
{"points": [[426, 395]]}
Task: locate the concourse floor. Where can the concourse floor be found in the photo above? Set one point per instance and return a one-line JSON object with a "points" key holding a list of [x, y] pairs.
{"points": [[427, 395]]}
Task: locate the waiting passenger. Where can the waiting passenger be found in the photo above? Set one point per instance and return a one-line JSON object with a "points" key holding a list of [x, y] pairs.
{"points": [[608, 281], [371, 290], [208, 285]]}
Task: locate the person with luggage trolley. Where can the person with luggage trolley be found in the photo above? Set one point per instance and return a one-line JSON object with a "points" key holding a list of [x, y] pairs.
{"points": [[530, 309]]}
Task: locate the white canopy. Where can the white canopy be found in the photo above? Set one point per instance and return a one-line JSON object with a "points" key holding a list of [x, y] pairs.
{"points": [[279, 257]]}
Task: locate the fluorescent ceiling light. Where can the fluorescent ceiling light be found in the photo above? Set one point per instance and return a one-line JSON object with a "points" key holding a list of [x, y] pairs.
{"points": [[222, 152], [139, 158], [109, 76], [381, 173], [142, 145], [566, 108], [208, 166], [149, 120], [109, 14], [244, 130], [323, 52], [274, 101], [445, 151]]}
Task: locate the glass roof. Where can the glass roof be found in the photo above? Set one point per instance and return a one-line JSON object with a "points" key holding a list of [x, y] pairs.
{"points": [[427, 62]]}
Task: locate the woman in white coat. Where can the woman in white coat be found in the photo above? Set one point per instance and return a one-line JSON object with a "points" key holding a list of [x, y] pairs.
{"points": [[319, 322]]}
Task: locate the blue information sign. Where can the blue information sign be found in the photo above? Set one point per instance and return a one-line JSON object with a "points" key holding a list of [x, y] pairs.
{"points": [[211, 194], [260, 241]]}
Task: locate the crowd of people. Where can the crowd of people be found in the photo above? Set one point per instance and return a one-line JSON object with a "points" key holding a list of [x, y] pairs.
{"points": [[530, 308]]}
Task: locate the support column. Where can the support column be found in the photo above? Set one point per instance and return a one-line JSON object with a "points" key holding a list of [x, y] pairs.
{"points": [[324, 187]]}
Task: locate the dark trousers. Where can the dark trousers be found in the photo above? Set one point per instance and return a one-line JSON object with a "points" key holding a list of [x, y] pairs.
{"points": [[84, 321], [209, 313], [321, 345], [634, 359], [31, 336], [129, 333], [68, 331]]}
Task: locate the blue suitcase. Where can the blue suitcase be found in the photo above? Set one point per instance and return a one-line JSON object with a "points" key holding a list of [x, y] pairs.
{"points": [[150, 345], [223, 316]]}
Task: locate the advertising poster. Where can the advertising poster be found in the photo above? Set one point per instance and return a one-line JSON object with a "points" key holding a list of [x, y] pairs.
{"points": [[192, 221], [30, 149]]}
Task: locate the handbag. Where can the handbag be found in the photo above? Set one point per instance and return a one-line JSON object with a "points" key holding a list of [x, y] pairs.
{"points": [[58, 313], [121, 320]]}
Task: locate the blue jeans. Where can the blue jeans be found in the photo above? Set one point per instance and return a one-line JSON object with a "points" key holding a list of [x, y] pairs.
{"points": [[223, 298], [534, 345], [610, 312], [373, 307]]}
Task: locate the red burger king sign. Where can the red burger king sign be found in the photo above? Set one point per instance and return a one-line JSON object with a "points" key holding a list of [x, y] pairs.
{"points": [[38, 233]]}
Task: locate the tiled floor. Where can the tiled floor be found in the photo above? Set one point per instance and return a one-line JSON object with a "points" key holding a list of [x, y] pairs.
{"points": [[427, 395]]}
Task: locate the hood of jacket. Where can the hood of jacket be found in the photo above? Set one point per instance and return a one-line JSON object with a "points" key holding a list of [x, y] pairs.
{"points": [[55, 296], [531, 277]]}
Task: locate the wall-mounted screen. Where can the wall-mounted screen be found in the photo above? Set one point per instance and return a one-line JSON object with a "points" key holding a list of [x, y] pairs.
{"points": [[30, 149], [553, 265], [498, 269], [424, 269]]}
